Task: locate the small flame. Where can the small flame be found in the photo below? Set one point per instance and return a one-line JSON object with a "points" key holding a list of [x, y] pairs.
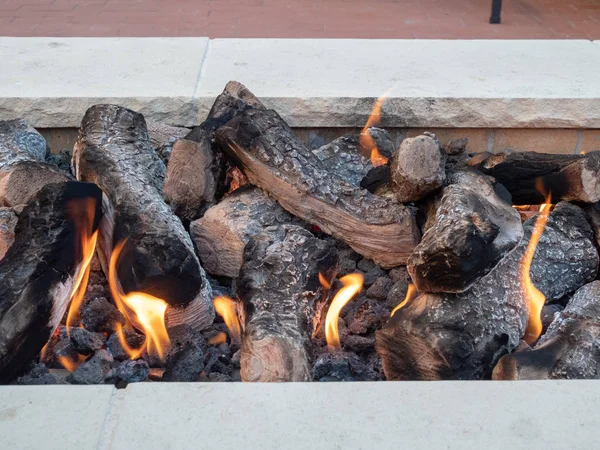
{"points": [[366, 140], [133, 353], [219, 338], [410, 293], [82, 211], [324, 282], [69, 364], [144, 310], [352, 285], [582, 152], [535, 299], [227, 309]]}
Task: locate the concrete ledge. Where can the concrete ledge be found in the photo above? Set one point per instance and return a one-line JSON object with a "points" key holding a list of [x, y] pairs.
{"points": [[311, 82], [417, 415]]}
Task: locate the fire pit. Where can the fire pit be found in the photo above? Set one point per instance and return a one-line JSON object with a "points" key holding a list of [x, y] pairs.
{"points": [[359, 260]]}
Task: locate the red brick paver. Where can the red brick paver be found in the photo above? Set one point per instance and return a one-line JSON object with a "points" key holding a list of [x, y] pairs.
{"points": [[444, 19]]}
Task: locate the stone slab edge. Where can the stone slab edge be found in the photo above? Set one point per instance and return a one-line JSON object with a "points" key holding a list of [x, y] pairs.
{"points": [[434, 112]]}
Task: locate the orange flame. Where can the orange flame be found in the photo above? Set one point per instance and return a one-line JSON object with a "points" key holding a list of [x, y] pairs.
{"points": [[82, 211], [535, 299], [227, 309], [219, 338], [133, 353], [352, 285], [410, 293], [69, 364], [143, 310], [366, 140]]}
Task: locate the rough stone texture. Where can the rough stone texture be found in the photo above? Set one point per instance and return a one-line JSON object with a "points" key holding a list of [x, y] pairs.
{"points": [[39, 374], [129, 372], [85, 342], [134, 339], [418, 168], [184, 363], [467, 234], [8, 222]]}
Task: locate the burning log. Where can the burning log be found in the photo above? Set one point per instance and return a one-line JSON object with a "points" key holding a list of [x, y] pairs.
{"points": [[418, 168], [113, 150], [41, 270], [270, 155], [23, 172], [469, 232], [278, 285], [570, 349], [347, 158], [462, 336], [222, 234], [190, 182], [528, 176]]}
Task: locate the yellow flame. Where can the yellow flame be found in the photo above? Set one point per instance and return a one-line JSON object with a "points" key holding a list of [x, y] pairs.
{"points": [[410, 293], [82, 211], [69, 364], [133, 353], [535, 299], [143, 310], [227, 309], [220, 338], [366, 140], [352, 285]]}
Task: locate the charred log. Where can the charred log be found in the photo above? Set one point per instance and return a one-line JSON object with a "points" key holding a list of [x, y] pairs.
{"points": [[38, 271], [418, 168], [471, 231], [23, 172], [163, 137], [114, 151], [222, 234], [8, 222], [278, 285], [462, 336], [529, 176], [272, 158], [570, 349], [191, 178]]}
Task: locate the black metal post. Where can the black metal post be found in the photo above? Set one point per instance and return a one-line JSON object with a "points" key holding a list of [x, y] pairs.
{"points": [[496, 8]]}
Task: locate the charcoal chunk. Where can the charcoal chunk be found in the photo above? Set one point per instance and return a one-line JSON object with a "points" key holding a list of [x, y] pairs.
{"points": [[85, 342], [184, 363], [94, 370], [380, 288], [135, 340], [39, 374], [129, 372], [101, 315]]}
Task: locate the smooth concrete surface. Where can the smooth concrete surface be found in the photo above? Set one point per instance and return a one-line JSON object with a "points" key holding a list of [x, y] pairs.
{"points": [[386, 415], [311, 82], [53, 417]]}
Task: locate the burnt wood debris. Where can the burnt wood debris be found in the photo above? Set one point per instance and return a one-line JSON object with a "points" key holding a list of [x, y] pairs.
{"points": [[240, 207]]}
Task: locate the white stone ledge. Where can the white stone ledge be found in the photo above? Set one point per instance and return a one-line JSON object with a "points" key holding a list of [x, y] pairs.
{"points": [[386, 415], [311, 82]]}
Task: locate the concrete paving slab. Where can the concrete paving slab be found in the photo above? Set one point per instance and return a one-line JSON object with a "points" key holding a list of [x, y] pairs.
{"points": [[417, 415], [432, 83], [53, 417], [52, 81]]}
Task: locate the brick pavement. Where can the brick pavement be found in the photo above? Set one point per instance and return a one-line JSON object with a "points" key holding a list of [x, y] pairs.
{"points": [[445, 19]]}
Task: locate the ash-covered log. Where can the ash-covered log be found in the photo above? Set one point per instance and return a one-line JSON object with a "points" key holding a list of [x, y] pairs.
{"points": [[529, 176], [272, 157], [462, 336], [570, 349], [470, 231], [191, 178], [23, 171], [38, 271], [114, 151], [279, 285], [222, 233], [8, 222], [418, 168]]}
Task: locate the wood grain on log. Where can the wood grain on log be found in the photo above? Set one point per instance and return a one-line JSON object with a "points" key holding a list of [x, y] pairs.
{"points": [[570, 349], [471, 231], [462, 336], [190, 182], [114, 151], [278, 285], [37, 273], [23, 171], [8, 222], [222, 233], [272, 158], [418, 168], [529, 176]]}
